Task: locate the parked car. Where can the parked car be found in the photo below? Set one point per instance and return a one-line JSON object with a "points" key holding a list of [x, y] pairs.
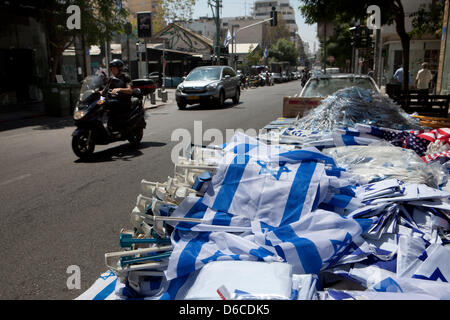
{"points": [[277, 77], [208, 84], [284, 77], [325, 85]]}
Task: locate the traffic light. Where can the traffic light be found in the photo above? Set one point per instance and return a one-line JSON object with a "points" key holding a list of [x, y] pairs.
{"points": [[356, 39], [274, 17]]}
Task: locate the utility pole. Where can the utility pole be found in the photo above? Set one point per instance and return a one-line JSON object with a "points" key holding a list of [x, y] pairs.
{"points": [[216, 5]]}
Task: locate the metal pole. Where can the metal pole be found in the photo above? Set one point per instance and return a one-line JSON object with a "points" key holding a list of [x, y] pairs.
{"points": [[377, 55], [146, 58], [218, 31], [325, 49]]}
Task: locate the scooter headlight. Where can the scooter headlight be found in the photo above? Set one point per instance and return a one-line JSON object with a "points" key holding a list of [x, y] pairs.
{"points": [[78, 115]]}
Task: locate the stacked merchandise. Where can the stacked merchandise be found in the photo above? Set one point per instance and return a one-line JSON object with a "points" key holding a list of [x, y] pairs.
{"points": [[251, 220]]}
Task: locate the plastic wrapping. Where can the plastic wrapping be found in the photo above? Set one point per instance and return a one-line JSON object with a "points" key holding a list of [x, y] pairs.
{"points": [[243, 279], [380, 161], [354, 105]]}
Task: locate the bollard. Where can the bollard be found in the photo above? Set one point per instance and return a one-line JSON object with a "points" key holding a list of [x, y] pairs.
{"points": [[152, 98]]}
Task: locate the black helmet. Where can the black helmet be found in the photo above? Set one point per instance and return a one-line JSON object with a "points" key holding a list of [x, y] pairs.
{"points": [[117, 63]]}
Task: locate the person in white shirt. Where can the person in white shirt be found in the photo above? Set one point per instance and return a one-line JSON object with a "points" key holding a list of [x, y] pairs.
{"points": [[424, 77]]}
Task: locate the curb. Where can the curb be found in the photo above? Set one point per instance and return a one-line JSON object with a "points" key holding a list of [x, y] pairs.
{"points": [[157, 105]]}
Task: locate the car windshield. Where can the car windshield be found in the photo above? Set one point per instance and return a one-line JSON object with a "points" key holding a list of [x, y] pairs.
{"points": [[204, 74], [322, 87]]}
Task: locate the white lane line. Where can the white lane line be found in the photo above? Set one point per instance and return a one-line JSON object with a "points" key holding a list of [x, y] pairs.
{"points": [[24, 176]]}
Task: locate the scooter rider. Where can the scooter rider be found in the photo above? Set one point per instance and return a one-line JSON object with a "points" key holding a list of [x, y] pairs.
{"points": [[120, 100]]}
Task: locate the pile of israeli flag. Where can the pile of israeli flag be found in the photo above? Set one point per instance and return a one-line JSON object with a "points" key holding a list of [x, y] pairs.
{"points": [[257, 209]]}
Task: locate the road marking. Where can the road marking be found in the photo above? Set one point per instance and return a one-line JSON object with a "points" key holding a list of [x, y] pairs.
{"points": [[24, 176]]}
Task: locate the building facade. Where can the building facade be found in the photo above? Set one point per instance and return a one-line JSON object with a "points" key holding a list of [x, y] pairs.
{"points": [[425, 49], [24, 57]]}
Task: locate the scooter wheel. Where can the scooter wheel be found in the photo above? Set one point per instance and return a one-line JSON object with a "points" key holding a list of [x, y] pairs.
{"points": [[136, 137], [82, 147]]}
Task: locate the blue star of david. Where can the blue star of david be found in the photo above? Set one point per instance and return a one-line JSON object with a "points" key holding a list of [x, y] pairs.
{"points": [[369, 187], [437, 274], [108, 275], [275, 174], [341, 249]]}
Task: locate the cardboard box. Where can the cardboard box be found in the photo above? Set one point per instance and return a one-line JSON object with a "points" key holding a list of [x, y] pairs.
{"points": [[292, 106]]}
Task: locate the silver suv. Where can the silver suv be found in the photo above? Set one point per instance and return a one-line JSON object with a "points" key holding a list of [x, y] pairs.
{"points": [[208, 84]]}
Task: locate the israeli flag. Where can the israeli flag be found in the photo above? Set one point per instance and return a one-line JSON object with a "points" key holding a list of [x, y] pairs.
{"points": [[242, 144], [318, 240], [433, 265], [439, 290], [265, 53], [210, 220], [249, 189], [192, 250], [352, 138], [227, 39]]}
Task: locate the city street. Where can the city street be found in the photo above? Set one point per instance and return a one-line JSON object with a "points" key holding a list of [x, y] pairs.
{"points": [[57, 211]]}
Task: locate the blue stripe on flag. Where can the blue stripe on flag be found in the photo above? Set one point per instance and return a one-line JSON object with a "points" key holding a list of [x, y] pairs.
{"points": [[230, 183], [261, 253], [349, 140], [106, 292], [298, 193], [188, 257], [306, 249], [243, 148], [174, 286], [301, 155], [340, 200], [222, 219], [365, 224], [197, 212]]}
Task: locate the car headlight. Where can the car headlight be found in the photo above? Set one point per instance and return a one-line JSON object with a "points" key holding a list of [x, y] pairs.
{"points": [[78, 115], [212, 86], [180, 87]]}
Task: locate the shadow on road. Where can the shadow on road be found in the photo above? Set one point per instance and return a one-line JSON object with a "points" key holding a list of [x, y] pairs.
{"points": [[124, 152], [203, 107], [56, 124]]}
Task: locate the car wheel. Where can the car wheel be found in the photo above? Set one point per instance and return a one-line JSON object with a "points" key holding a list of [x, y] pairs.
{"points": [[221, 99], [237, 96], [181, 105]]}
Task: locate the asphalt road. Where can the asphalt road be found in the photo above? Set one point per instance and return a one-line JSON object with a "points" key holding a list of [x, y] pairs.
{"points": [[57, 211]]}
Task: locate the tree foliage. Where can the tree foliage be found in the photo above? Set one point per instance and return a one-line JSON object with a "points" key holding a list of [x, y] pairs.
{"points": [[428, 19], [284, 50], [100, 20], [350, 10], [273, 34], [175, 10]]}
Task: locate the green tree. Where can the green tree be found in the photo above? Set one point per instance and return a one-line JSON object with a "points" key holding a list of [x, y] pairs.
{"points": [[428, 19], [284, 50], [349, 10], [176, 10], [253, 57], [100, 20], [273, 34]]}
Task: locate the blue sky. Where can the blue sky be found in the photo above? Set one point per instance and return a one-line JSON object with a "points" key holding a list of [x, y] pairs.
{"points": [[233, 8]]}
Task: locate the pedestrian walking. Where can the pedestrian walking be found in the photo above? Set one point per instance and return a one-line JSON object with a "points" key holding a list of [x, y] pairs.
{"points": [[424, 78], [398, 76]]}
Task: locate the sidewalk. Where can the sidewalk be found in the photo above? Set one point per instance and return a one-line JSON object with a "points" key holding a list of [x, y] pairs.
{"points": [[159, 102], [21, 112], [14, 113]]}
